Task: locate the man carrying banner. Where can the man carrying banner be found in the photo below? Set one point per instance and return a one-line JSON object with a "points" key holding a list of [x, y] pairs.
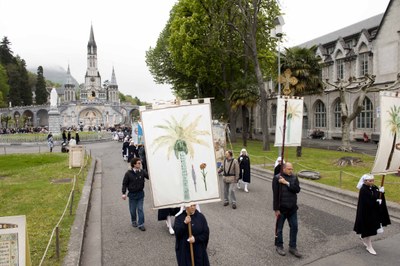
{"points": [[199, 237], [285, 187]]}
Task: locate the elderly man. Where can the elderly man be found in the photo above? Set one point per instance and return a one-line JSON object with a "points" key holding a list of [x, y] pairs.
{"points": [[285, 187]]}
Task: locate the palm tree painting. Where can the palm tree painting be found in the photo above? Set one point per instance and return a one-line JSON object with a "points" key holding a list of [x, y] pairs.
{"points": [[180, 138], [293, 110], [393, 124]]}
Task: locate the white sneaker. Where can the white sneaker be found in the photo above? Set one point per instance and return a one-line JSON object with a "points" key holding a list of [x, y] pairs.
{"points": [[371, 250], [238, 185], [246, 190], [171, 231]]}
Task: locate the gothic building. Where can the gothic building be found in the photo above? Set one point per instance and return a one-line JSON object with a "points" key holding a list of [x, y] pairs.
{"points": [[92, 104], [369, 47]]}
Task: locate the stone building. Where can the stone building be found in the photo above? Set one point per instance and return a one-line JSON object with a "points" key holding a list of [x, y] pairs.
{"points": [[93, 104], [371, 46]]}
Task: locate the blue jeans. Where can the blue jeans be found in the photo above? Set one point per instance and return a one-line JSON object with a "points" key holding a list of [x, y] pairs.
{"points": [[136, 205], [292, 220]]}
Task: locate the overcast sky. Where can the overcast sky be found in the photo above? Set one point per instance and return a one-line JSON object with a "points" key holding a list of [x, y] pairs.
{"points": [[56, 33]]}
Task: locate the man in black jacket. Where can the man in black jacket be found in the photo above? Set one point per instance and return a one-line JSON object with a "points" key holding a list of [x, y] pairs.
{"points": [[285, 187], [134, 182]]}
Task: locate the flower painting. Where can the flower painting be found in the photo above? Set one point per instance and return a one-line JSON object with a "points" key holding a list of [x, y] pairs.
{"points": [[176, 140]]}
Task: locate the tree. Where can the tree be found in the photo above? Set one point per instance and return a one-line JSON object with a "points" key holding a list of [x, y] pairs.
{"points": [[25, 88], [305, 68], [246, 95], [255, 18], [6, 54], [4, 87], [361, 86], [41, 92]]}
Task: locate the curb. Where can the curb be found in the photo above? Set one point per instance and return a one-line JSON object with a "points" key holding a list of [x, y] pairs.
{"points": [[75, 244], [328, 192]]}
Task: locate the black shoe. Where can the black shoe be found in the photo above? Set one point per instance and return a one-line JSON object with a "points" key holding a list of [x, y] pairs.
{"points": [[134, 224], [226, 203], [280, 251], [295, 252], [142, 228], [233, 205]]}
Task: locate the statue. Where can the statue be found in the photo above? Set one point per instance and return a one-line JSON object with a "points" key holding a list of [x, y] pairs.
{"points": [[53, 98]]}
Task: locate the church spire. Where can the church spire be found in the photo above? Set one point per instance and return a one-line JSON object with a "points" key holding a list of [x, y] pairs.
{"points": [[92, 43], [113, 78], [69, 77]]}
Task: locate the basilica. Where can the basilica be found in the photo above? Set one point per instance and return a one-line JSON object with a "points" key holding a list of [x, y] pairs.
{"points": [[90, 105]]}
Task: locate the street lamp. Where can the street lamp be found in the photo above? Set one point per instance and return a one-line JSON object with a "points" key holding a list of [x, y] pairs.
{"points": [[277, 33]]}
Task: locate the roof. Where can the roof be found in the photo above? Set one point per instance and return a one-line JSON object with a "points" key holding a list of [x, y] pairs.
{"points": [[370, 23]]}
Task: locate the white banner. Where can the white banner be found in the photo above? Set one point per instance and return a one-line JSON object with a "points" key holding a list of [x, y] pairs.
{"points": [[180, 155], [294, 121], [387, 159]]}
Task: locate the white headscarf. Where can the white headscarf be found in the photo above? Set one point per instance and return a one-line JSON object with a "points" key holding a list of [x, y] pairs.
{"points": [[243, 150], [363, 178], [183, 208], [278, 160]]}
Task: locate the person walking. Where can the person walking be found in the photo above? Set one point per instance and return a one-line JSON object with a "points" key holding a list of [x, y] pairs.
{"points": [[230, 178], [133, 181], [77, 139], [285, 188], [372, 213], [244, 165], [64, 136], [199, 238], [50, 141], [125, 150], [132, 151]]}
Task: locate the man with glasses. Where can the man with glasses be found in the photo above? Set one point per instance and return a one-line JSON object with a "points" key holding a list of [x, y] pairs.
{"points": [[285, 187], [134, 182]]}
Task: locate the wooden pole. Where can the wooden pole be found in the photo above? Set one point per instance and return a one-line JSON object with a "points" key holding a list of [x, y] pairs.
{"points": [[382, 182], [190, 235], [282, 156]]}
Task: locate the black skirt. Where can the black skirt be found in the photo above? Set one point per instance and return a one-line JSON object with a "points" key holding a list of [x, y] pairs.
{"points": [[163, 213]]}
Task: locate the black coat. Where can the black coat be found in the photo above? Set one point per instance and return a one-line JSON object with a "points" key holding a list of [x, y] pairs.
{"points": [[244, 164], [285, 197], [134, 181], [201, 233], [370, 214]]}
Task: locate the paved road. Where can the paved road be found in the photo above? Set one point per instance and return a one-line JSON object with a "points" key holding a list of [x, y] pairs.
{"points": [[238, 237]]}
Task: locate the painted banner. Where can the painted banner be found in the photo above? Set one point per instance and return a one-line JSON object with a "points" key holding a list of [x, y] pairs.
{"points": [[180, 155], [294, 121], [387, 159], [137, 133], [219, 136]]}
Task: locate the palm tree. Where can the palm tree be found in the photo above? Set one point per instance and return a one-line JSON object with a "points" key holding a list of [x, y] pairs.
{"points": [[244, 96], [180, 137], [305, 67], [292, 112], [394, 127]]}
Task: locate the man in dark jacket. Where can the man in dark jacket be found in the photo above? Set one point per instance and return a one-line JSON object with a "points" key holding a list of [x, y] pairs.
{"points": [[134, 182], [285, 187]]}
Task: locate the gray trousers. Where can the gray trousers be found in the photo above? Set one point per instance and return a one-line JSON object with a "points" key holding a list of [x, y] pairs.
{"points": [[229, 192]]}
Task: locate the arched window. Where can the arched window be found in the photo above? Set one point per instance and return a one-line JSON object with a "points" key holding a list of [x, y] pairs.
{"points": [[337, 113], [273, 115], [364, 119], [320, 114]]}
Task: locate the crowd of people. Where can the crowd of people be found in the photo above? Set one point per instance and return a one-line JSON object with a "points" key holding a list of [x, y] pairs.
{"points": [[190, 227]]}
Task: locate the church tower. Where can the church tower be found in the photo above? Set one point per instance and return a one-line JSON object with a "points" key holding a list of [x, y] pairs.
{"points": [[92, 91], [69, 88], [113, 95]]}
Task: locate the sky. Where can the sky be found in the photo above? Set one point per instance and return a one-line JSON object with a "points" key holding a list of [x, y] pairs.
{"points": [[54, 33]]}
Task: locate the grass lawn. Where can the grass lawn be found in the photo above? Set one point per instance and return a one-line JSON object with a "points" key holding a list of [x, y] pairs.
{"points": [[324, 162], [38, 186]]}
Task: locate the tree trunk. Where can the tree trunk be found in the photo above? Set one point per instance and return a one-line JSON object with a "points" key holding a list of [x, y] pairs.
{"points": [[244, 126], [346, 137]]}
